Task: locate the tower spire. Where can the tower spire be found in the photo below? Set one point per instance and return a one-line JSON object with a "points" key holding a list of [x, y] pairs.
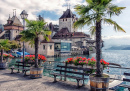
{"points": [[14, 10], [69, 5]]}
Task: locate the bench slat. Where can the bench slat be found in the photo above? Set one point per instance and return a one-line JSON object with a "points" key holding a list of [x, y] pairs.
{"points": [[74, 77], [20, 68], [22, 65], [78, 68], [127, 74], [72, 72], [124, 85], [127, 80]]}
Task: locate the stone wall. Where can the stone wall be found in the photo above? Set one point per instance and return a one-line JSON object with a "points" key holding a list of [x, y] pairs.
{"points": [[47, 51], [66, 23], [14, 33]]}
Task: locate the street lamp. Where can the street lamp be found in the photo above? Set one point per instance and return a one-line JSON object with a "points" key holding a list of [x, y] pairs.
{"points": [[24, 16]]}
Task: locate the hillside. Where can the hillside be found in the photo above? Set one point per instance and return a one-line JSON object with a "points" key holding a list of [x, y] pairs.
{"points": [[122, 47]]}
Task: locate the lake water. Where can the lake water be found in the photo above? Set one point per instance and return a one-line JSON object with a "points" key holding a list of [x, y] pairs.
{"points": [[121, 57]]}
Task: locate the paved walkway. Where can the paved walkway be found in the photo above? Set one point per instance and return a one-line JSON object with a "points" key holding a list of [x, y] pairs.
{"points": [[16, 82]]}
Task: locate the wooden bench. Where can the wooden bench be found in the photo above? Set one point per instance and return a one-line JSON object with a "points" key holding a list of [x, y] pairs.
{"points": [[70, 72], [126, 80], [24, 67]]}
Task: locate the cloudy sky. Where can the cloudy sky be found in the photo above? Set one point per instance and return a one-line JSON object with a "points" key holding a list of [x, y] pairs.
{"points": [[51, 10]]}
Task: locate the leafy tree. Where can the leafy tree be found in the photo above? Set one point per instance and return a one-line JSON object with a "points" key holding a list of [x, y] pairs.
{"points": [[94, 14], [34, 30], [4, 45]]}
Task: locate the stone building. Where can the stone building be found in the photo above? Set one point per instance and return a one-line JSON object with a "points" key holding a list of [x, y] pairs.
{"points": [[64, 36], [12, 28], [67, 20], [68, 32]]}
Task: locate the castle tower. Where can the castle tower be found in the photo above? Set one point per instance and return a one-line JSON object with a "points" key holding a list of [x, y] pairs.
{"points": [[67, 20], [12, 28], [9, 20]]}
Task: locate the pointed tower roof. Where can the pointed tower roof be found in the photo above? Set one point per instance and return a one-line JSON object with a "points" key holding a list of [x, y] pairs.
{"points": [[9, 19], [67, 14], [16, 21]]}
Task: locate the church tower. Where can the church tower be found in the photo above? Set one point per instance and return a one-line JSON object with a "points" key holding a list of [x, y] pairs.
{"points": [[67, 20]]}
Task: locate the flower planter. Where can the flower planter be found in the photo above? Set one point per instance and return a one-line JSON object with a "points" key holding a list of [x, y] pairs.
{"points": [[3, 65], [99, 83], [36, 73], [8, 59]]}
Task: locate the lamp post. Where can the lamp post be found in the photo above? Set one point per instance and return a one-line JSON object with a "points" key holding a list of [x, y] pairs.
{"points": [[24, 16]]}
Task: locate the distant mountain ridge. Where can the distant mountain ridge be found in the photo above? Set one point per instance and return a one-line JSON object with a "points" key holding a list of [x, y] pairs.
{"points": [[121, 47]]}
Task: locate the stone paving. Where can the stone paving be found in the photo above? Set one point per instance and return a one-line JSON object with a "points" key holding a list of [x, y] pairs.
{"points": [[16, 82]]}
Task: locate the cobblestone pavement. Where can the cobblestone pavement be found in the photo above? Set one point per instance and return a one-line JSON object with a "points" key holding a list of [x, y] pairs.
{"points": [[16, 82]]}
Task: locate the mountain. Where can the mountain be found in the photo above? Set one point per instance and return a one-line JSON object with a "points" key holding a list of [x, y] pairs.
{"points": [[121, 47]]}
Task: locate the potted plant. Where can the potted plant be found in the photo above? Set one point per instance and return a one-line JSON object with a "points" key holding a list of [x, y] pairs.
{"points": [[32, 35], [87, 63], [31, 59], [93, 15]]}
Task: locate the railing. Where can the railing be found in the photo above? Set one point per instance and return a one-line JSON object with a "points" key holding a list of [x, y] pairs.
{"points": [[110, 66]]}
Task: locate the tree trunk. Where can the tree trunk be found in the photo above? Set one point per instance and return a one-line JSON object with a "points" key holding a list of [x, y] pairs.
{"points": [[1, 59], [36, 52], [98, 49]]}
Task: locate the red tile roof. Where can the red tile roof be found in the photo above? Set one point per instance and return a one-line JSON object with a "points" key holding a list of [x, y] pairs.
{"points": [[64, 33]]}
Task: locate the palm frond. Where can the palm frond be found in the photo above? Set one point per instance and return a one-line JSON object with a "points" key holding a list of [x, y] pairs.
{"points": [[4, 44], [46, 38], [116, 26], [114, 10], [85, 20], [82, 9], [92, 30]]}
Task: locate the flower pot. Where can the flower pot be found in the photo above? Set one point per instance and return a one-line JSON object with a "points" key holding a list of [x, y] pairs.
{"points": [[3, 65], [36, 73], [99, 83]]}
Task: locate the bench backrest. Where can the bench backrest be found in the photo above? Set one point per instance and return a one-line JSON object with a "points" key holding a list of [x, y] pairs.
{"points": [[22, 64], [73, 70], [126, 79]]}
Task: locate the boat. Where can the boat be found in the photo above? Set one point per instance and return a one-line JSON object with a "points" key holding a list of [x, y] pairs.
{"points": [[19, 54]]}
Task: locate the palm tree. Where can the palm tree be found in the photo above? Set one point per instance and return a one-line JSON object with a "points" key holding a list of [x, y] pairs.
{"points": [[4, 45], [31, 35], [94, 14]]}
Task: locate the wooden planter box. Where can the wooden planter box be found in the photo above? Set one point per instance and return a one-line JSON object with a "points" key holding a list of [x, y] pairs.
{"points": [[84, 66], [99, 83], [3, 65], [36, 73]]}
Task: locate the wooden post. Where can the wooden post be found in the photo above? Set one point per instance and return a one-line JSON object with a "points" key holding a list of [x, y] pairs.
{"points": [[61, 73], [18, 68], [83, 77], [65, 72]]}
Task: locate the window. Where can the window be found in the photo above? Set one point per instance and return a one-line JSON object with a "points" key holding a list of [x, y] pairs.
{"points": [[16, 31], [43, 47], [63, 19], [50, 46], [6, 35], [66, 19]]}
